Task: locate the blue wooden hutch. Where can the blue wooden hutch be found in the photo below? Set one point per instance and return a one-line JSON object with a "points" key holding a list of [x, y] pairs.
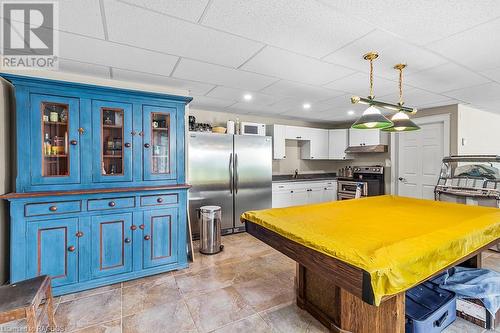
{"points": [[100, 187]]}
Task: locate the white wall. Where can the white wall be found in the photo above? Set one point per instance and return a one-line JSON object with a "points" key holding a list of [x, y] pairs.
{"points": [[478, 131], [6, 137]]}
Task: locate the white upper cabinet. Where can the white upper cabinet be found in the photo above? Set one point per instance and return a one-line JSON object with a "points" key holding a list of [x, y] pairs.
{"points": [[278, 134], [338, 141], [316, 147], [297, 133], [367, 137]]}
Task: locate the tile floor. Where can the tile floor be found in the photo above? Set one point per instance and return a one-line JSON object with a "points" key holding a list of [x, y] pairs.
{"points": [[247, 288]]}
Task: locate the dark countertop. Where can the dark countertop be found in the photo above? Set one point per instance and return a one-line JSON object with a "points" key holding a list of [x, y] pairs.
{"points": [[305, 177]]}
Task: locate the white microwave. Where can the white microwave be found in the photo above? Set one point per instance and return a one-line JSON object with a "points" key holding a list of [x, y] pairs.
{"points": [[247, 128]]}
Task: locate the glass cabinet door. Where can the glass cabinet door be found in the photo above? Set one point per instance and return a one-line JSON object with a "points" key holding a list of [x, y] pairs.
{"points": [[159, 142], [112, 127], [55, 140]]}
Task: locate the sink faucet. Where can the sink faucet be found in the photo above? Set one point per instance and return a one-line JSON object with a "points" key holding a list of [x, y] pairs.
{"points": [[295, 174]]}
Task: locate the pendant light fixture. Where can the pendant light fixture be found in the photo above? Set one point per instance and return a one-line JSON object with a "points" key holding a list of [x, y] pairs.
{"points": [[401, 121], [371, 117]]}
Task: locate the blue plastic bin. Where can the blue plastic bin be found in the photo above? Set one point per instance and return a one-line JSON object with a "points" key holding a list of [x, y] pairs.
{"points": [[429, 309]]}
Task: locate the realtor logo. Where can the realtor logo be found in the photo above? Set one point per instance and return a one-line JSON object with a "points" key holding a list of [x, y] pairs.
{"points": [[30, 35]]}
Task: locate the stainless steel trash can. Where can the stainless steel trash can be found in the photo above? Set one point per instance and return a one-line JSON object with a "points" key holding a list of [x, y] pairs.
{"points": [[210, 229]]}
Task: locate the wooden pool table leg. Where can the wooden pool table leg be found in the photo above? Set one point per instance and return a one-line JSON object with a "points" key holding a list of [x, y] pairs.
{"points": [[341, 311]]}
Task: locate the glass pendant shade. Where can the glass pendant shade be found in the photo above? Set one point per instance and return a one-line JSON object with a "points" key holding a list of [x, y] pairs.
{"points": [[402, 123], [372, 118]]}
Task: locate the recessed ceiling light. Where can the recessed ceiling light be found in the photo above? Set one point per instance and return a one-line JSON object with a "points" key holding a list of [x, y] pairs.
{"points": [[351, 112], [247, 97], [306, 106]]}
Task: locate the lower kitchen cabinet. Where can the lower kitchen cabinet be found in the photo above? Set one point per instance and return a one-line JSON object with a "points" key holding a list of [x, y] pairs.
{"points": [[134, 234], [160, 237], [111, 244], [287, 194], [52, 249]]}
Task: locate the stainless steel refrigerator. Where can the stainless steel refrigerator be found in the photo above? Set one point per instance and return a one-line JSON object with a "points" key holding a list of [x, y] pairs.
{"points": [[230, 171]]}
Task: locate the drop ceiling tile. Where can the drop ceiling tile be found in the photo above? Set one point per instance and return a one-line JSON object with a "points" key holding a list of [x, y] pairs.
{"points": [[291, 66], [484, 40], [391, 49], [209, 103], [414, 97], [81, 17], [196, 88], [141, 28], [421, 22], [488, 92], [288, 104], [359, 84], [76, 67], [444, 78], [236, 95], [199, 71], [186, 9], [489, 106], [436, 104], [299, 90], [242, 107], [105, 53], [306, 27], [493, 74], [339, 103]]}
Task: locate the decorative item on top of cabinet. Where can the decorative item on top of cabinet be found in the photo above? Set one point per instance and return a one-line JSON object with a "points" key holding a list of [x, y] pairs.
{"points": [[94, 157]]}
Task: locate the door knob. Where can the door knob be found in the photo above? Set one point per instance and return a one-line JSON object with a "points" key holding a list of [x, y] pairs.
{"points": [[71, 248], [147, 145], [127, 240], [147, 237]]}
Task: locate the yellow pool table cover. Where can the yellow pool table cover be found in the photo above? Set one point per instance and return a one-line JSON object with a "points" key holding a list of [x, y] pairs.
{"points": [[398, 241]]}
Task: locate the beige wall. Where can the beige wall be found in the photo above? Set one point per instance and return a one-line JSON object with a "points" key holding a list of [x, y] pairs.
{"points": [[5, 174], [452, 110]]}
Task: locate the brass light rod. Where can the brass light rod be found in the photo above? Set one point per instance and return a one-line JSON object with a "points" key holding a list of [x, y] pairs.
{"points": [[385, 105]]}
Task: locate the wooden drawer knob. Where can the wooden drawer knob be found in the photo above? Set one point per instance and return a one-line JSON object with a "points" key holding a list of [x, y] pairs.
{"points": [[147, 237], [133, 227], [71, 248], [111, 204], [74, 142], [141, 226], [53, 208], [127, 144], [79, 234], [127, 240], [159, 200], [147, 145]]}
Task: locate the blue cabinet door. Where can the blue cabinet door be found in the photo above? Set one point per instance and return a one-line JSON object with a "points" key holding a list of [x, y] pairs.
{"points": [[111, 248], [52, 249], [159, 142], [160, 237], [112, 141], [55, 149]]}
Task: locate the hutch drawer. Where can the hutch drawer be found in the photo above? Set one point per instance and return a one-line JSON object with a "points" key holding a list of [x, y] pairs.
{"points": [[111, 203], [52, 208], [159, 200]]}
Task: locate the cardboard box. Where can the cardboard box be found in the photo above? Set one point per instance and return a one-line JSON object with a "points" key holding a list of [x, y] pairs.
{"points": [[473, 310]]}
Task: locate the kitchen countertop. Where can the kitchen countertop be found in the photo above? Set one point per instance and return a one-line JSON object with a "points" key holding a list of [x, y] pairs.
{"points": [[305, 177]]}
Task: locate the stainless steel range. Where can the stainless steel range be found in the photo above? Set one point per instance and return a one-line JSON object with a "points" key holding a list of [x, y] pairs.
{"points": [[369, 179]]}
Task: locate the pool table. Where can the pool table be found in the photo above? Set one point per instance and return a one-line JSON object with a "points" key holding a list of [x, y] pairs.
{"points": [[356, 258]]}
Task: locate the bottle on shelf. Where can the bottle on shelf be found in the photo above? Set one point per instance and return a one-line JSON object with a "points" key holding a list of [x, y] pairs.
{"points": [[47, 145]]}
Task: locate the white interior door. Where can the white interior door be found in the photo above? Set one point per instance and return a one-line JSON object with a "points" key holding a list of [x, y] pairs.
{"points": [[419, 158]]}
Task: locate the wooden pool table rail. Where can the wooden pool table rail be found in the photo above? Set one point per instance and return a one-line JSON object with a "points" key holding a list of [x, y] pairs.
{"points": [[340, 295]]}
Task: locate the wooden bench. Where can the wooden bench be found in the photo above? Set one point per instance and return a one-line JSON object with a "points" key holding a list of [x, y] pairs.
{"points": [[21, 300]]}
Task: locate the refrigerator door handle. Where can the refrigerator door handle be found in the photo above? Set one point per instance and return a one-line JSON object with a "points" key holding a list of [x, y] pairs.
{"points": [[231, 173], [237, 174]]}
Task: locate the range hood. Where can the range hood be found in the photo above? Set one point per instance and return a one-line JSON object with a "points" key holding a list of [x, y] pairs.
{"points": [[367, 149]]}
